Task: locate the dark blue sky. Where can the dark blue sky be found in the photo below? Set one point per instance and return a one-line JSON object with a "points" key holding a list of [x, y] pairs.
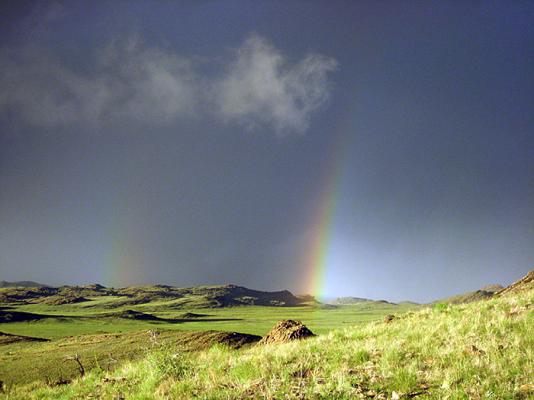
{"points": [[189, 142]]}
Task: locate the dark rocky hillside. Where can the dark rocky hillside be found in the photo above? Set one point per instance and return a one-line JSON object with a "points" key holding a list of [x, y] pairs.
{"points": [[199, 296]]}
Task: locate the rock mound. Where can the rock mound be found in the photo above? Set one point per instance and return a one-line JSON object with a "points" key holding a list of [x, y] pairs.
{"points": [[286, 331], [389, 318]]}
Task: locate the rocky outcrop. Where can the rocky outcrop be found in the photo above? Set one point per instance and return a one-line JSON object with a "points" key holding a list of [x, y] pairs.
{"points": [[286, 331]]}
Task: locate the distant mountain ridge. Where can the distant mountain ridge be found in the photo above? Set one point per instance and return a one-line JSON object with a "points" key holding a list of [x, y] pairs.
{"points": [[5, 284], [481, 294], [486, 292], [199, 296], [345, 300], [349, 300], [213, 296], [489, 291]]}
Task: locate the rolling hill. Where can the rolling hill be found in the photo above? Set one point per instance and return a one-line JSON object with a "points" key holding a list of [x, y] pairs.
{"points": [[197, 297], [357, 300], [481, 294]]}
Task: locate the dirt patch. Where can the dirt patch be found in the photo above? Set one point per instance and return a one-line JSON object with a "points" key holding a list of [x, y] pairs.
{"points": [[287, 331]]}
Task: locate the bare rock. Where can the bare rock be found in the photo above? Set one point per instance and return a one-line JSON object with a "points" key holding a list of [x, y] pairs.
{"points": [[389, 318], [286, 331]]}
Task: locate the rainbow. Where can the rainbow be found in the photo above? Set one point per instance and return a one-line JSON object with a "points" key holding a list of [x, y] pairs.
{"points": [[122, 259], [119, 261], [317, 248], [123, 263]]}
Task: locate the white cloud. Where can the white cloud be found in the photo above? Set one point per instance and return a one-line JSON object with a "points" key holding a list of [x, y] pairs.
{"points": [[261, 88], [129, 82]]}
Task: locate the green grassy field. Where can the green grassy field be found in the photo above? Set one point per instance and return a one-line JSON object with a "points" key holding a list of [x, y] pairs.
{"points": [[102, 338], [76, 320]]}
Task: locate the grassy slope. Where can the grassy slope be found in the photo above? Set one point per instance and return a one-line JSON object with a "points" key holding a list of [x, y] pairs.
{"points": [[24, 362], [478, 350]]}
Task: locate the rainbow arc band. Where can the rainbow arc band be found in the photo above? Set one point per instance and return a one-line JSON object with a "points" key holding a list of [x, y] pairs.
{"points": [[318, 247]]}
